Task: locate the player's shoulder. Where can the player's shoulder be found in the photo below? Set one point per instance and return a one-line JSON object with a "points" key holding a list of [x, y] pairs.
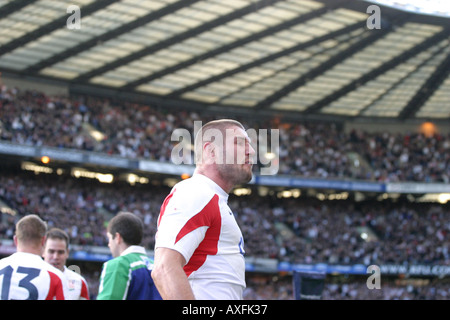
{"points": [[117, 263], [24, 259], [194, 188], [51, 269], [72, 274], [17, 257], [5, 260], [189, 197]]}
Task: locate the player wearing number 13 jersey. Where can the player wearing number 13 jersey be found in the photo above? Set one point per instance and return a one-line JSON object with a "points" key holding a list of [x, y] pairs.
{"points": [[24, 275]]}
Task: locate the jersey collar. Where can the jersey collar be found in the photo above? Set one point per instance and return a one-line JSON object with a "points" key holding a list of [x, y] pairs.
{"points": [[134, 249], [213, 185]]}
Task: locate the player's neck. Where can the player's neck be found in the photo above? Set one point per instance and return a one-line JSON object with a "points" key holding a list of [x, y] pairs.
{"points": [[33, 247], [30, 249], [214, 176]]}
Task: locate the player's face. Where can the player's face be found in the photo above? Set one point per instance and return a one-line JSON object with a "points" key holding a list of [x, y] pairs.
{"points": [[238, 157], [113, 245], [56, 253]]}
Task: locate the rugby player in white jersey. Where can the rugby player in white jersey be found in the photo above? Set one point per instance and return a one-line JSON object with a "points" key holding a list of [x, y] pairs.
{"points": [[24, 275], [56, 252], [199, 249]]}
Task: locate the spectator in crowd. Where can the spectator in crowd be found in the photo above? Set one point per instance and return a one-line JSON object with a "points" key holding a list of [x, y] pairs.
{"points": [[322, 150], [280, 288], [320, 231]]}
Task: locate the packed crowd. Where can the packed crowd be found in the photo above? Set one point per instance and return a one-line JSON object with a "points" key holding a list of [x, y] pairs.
{"points": [[274, 287], [81, 207], [350, 289], [140, 131], [328, 231], [320, 231]]}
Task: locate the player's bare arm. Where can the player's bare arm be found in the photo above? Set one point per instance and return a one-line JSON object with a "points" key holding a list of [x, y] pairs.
{"points": [[169, 276]]}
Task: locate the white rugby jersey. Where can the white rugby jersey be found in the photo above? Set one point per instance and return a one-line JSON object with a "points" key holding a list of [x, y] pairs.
{"points": [[26, 276], [196, 221], [77, 288]]}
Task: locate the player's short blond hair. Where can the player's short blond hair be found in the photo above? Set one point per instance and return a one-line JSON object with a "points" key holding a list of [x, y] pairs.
{"points": [[30, 229], [221, 125]]}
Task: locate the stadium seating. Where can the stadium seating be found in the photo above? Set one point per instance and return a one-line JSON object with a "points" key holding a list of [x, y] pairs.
{"points": [[314, 231], [140, 131]]}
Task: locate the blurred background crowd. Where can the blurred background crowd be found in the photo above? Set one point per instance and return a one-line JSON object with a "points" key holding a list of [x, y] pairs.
{"points": [[319, 231], [296, 230], [140, 131]]}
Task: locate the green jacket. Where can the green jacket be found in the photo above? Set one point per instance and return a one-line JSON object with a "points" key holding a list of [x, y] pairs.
{"points": [[128, 277]]}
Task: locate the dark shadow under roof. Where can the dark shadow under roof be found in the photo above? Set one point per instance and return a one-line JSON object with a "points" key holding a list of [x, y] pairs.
{"points": [[304, 57]]}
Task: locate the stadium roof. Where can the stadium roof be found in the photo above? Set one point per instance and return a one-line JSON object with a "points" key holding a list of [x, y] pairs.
{"points": [[314, 58]]}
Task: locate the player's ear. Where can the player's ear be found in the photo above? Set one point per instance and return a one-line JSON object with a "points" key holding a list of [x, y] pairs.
{"points": [[43, 241], [207, 147], [209, 152], [15, 240]]}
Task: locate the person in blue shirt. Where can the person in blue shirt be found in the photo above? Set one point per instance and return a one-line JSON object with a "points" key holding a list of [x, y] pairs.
{"points": [[128, 275]]}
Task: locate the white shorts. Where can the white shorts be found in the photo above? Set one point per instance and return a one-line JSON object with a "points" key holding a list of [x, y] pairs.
{"points": [[207, 290]]}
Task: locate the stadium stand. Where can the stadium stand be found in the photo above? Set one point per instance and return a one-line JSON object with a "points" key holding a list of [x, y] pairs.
{"points": [[140, 131], [315, 230], [359, 182]]}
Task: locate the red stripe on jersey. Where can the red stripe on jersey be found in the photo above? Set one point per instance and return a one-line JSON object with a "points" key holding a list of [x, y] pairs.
{"points": [[84, 291], [209, 216], [55, 292], [164, 205]]}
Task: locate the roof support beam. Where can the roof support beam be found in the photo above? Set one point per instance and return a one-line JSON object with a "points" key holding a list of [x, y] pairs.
{"points": [[298, 47], [373, 36], [400, 81], [50, 27], [378, 71], [86, 45], [173, 40], [233, 45], [14, 6], [427, 89]]}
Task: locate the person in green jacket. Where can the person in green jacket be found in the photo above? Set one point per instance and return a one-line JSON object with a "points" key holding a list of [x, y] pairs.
{"points": [[128, 275]]}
